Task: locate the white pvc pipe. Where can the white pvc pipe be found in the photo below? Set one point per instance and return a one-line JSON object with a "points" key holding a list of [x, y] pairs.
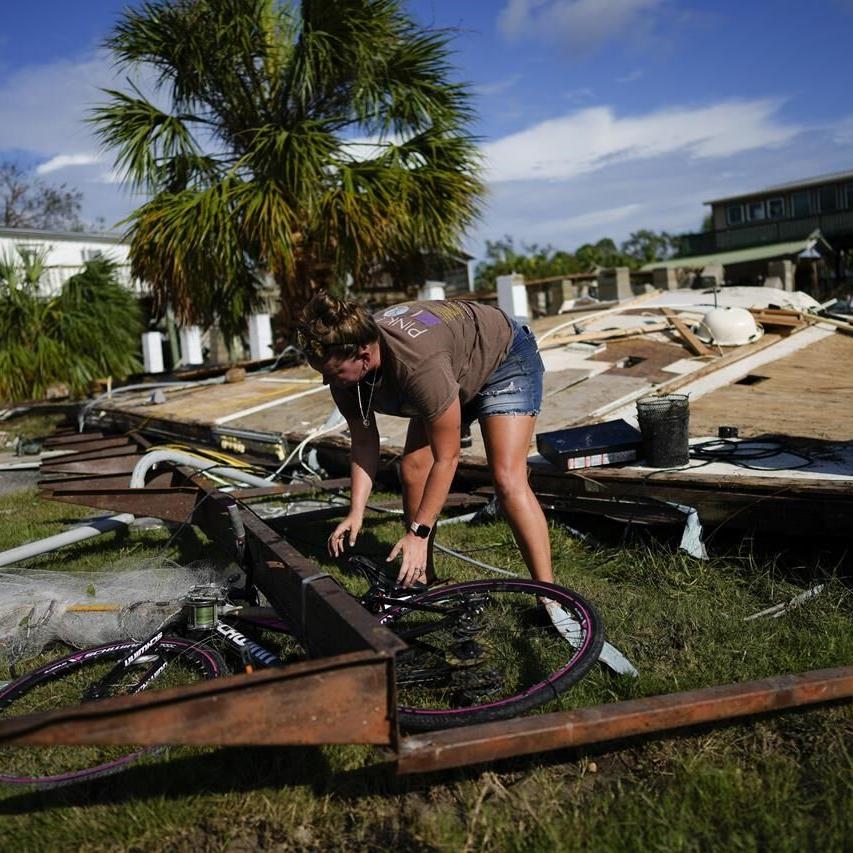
{"points": [[77, 534], [149, 460]]}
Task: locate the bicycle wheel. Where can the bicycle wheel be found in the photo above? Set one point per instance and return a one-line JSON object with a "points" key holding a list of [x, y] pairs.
{"points": [[489, 650], [66, 683]]}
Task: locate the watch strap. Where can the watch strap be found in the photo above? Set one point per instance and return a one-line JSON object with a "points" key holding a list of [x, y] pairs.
{"points": [[421, 530]]}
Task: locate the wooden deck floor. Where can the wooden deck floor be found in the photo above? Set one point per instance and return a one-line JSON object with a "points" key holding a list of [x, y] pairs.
{"points": [[808, 394]]}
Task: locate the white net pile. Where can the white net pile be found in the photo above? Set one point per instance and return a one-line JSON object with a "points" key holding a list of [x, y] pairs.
{"points": [[89, 608]]}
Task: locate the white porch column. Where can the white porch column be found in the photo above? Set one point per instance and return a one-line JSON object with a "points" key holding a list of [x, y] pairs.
{"points": [[191, 345], [432, 290], [512, 296], [152, 352], [260, 337]]}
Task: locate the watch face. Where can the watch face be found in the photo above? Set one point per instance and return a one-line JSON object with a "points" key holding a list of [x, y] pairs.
{"points": [[420, 530]]}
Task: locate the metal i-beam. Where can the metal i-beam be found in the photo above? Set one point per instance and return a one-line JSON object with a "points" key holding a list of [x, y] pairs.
{"points": [[602, 723], [342, 699]]}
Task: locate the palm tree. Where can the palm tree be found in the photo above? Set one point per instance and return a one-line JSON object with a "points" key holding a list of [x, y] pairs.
{"points": [[308, 143], [88, 330]]}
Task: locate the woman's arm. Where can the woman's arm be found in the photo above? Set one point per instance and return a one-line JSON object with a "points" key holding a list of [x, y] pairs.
{"points": [[364, 460], [443, 435]]}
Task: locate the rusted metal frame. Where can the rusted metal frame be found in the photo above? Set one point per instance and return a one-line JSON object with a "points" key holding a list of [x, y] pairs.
{"points": [[341, 699], [97, 483], [329, 620], [322, 614], [123, 464], [611, 722], [98, 444], [70, 438], [170, 503], [91, 455]]}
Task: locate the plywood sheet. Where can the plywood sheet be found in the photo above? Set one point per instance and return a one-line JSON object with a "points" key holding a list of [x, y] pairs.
{"points": [[808, 394], [655, 356]]}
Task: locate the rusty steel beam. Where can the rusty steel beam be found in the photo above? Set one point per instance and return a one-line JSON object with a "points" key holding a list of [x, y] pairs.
{"points": [[170, 503], [97, 444], [602, 723], [71, 438], [78, 489], [90, 455], [94, 467], [324, 616], [344, 699]]}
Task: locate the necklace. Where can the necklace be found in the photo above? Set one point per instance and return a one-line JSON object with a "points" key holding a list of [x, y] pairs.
{"points": [[365, 416]]}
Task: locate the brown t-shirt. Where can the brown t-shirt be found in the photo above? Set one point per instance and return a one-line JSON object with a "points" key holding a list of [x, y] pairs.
{"points": [[432, 352]]}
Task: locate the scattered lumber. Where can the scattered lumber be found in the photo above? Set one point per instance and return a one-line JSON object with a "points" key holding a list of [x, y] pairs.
{"points": [[607, 334], [842, 326], [690, 340]]}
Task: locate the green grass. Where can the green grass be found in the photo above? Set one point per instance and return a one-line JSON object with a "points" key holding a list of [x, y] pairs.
{"points": [[777, 783], [29, 425]]}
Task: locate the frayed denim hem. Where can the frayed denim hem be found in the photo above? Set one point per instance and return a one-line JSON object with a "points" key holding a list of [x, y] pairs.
{"points": [[527, 413]]}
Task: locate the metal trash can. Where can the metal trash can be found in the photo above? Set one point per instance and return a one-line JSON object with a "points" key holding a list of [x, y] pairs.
{"points": [[664, 422]]}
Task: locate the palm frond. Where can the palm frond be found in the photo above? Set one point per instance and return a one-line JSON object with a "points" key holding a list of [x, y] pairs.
{"points": [[249, 167]]}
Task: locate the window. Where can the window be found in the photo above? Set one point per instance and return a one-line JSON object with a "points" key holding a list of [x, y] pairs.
{"points": [[848, 196], [755, 210], [775, 208], [828, 198], [734, 214], [801, 203], [91, 254]]}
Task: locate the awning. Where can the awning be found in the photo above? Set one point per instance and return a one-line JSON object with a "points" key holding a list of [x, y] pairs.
{"points": [[809, 246]]}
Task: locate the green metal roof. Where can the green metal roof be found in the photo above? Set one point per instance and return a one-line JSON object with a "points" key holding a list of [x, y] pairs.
{"points": [[740, 256]]}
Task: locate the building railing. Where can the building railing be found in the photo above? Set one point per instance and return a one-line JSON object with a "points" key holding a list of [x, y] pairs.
{"points": [[780, 231]]}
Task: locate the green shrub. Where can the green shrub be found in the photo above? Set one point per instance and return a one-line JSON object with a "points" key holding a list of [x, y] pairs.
{"points": [[89, 330]]}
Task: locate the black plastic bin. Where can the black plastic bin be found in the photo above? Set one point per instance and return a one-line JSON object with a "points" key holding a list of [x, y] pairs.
{"points": [[664, 422]]}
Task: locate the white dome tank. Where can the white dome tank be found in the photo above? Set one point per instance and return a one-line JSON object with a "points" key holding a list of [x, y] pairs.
{"points": [[728, 327]]}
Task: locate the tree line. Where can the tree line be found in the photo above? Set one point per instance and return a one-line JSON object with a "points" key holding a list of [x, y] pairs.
{"points": [[534, 261]]}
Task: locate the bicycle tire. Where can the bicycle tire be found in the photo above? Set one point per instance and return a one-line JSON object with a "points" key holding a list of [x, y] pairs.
{"points": [[534, 661], [36, 691]]}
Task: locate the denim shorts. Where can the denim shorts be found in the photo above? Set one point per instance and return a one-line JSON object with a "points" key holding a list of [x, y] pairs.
{"points": [[515, 385]]}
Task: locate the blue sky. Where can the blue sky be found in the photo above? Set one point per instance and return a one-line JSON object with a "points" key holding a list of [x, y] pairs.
{"points": [[597, 117]]}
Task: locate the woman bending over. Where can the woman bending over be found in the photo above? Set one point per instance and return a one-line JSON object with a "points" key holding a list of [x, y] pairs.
{"points": [[440, 364]]}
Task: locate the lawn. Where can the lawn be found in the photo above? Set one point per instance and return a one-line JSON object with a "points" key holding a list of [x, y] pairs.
{"points": [[778, 783]]}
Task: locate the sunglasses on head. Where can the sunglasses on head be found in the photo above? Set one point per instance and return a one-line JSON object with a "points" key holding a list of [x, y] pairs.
{"points": [[313, 347]]}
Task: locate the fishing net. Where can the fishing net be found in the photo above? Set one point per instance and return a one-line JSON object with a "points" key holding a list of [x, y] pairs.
{"points": [[129, 601]]}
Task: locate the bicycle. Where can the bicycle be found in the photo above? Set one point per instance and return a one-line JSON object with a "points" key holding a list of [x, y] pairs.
{"points": [[476, 651]]}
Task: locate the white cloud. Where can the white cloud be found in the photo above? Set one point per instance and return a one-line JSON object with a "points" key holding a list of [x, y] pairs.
{"points": [[581, 26], [63, 161], [592, 219], [43, 108], [498, 87], [590, 139]]}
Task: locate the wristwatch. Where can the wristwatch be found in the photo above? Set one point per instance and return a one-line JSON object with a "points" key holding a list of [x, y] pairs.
{"points": [[421, 530]]}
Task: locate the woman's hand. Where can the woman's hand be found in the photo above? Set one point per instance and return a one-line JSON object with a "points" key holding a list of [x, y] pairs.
{"points": [[414, 552], [344, 534]]}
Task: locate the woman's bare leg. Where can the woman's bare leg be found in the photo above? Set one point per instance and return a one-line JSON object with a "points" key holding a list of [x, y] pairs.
{"points": [[507, 439], [415, 466]]}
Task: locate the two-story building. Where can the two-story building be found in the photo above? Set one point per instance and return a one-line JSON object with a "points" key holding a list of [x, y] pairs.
{"points": [[799, 232]]}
